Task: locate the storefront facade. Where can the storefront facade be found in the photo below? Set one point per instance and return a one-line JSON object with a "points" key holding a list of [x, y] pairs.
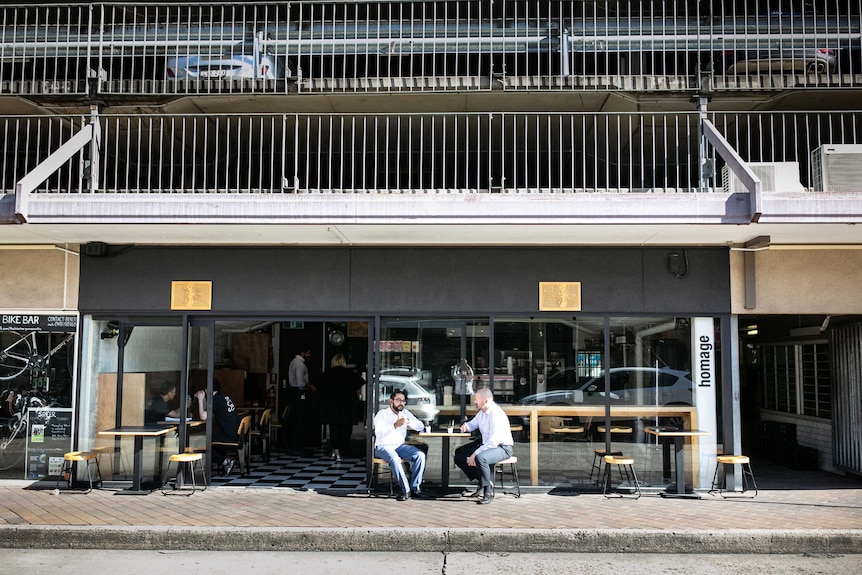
{"points": [[625, 339], [38, 344]]}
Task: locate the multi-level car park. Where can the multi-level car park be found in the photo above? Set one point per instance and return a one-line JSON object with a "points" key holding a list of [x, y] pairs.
{"points": [[624, 91], [116, 48]]}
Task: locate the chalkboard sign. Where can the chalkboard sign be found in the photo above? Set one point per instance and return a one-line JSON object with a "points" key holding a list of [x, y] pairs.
{"points": [[49, 437]]}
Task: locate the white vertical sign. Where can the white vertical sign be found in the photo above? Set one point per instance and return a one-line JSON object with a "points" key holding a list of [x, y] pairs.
{"points": [[705, 389]]}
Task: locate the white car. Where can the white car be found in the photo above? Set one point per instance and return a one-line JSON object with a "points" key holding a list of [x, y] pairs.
{"points": [[421, 402], [628, 386], [236, 64]]}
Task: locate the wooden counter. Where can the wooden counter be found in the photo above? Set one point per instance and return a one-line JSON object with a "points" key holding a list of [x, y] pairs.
{"points": [[597, 412]]}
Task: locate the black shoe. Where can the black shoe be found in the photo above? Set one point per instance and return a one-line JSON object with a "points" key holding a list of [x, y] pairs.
{"points": [[468, 493], [403, 496], [418, 495], [228, 466], [488, 497]]}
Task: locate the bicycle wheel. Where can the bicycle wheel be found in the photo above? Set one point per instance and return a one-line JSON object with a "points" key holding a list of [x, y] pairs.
{"points": [[15, 353], [12, 446]]}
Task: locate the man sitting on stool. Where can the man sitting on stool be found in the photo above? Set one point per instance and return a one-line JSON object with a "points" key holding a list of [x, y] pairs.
{"points": [[477, 460], [390, 430]]}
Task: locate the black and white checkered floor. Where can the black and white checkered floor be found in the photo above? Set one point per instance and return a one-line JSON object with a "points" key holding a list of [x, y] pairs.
{"points": [[299, 472]]}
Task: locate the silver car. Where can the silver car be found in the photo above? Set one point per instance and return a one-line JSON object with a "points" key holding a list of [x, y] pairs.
{"points": [[792, 61], [628, 386], [421, 402]]}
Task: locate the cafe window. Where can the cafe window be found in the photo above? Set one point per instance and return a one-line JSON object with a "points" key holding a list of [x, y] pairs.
{"points": [[797, 379]]}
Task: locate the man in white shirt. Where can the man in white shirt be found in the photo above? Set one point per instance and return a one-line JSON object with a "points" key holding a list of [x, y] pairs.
{"points": [[477, 460], [390, 430]]}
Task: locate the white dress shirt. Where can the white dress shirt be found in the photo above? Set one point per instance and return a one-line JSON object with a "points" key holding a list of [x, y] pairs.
{"points": [[385, 432], [494, 427]]}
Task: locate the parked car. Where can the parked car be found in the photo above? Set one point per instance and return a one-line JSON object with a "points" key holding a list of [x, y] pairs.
{"points": [[793, 61], [628, 386], [239, 63], [421, 402]]}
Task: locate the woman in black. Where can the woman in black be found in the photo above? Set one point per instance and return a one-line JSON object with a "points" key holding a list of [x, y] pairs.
{"points": [[338, 389]]}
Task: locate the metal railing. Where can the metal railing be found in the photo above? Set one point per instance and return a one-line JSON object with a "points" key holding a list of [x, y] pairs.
{"points": [[508, 153], [284, 47]]}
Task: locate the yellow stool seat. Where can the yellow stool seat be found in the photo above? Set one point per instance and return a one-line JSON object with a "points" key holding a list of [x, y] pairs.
{"points": [[573, 429], [79, 456], [733, 459], [186, 457], [615, 429]]}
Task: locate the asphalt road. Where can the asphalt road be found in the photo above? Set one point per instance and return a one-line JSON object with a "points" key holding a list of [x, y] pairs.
{"points": [[278, 563]]}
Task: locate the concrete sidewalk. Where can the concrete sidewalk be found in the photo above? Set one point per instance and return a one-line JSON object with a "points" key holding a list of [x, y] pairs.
{"points": [[822, 518]]}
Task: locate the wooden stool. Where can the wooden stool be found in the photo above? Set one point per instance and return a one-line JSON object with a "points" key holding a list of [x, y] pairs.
{"points": [[69, 460], [618, 429], [599, 460], [189, 459], [513, 471], [745, 462], [624, 464], [374, 479]]}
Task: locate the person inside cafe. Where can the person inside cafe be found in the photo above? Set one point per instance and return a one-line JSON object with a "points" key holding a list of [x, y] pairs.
{"points": [[390, 430], [159, 407], [299, 398], [477, 459], [226, 422], [338, 393]]}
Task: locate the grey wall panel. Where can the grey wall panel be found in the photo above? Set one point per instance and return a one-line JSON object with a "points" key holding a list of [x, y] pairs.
{"points": [[245, 280], [407, 280]]}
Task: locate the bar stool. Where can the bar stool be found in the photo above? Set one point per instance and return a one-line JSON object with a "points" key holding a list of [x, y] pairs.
{"points": [[745, 462], [189, 459], [375, 480], [499, 467], [599, 461], [69, 460], [112, 452], [623, 464]]}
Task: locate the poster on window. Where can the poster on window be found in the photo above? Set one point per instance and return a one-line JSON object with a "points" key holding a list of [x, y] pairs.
{"points": [[49, 436]]}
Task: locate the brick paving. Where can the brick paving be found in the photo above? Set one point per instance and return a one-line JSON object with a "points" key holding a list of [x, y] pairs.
{"points": [[834, 504]]}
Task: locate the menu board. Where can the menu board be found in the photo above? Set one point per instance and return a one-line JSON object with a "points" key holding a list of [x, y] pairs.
{"points": [[49, 437]]}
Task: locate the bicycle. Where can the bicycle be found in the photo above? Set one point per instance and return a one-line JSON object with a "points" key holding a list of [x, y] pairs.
{"points": [[19, 353]]}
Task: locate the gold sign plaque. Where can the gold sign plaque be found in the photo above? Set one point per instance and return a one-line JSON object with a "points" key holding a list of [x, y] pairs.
{"points": [[191, 295], [559, 296]]}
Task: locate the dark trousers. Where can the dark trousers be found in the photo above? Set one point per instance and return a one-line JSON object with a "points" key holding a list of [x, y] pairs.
{"points": [[339, 437], [461, 455], [298, 417], [483, 470]]}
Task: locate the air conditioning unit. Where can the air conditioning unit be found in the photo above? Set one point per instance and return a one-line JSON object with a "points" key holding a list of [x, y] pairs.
{"points": [[774, 177], [837, 168]]}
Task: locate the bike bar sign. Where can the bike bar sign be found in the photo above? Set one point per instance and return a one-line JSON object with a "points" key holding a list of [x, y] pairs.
{"points": [[38, 322]]}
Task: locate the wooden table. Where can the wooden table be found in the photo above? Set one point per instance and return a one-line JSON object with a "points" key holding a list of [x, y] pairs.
{"points": [[444, 436], [139, 432], [597, 412], [678, 436]]}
